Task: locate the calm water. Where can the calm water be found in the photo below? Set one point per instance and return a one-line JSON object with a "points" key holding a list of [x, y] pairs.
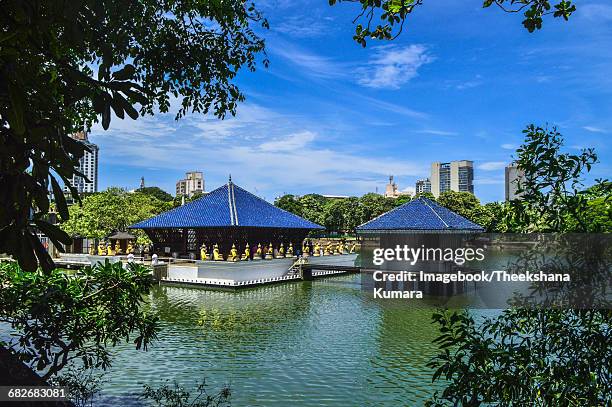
{"points": [[301, 344]]}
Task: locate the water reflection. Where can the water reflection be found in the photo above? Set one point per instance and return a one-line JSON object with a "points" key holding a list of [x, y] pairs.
{"points": [[309, 343]]}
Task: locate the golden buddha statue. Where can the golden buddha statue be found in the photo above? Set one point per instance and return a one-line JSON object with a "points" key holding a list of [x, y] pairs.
{"points": [[341, 248], [117, 247], [281, 251], [109, 250], [216, 255], [92, 250], [233, 256], [129, 249], [101, 249], [289, 250], [317, 250], [247, 253], [204, 252], [329, 250], [305, 249], [270, 252], [258, 253]]}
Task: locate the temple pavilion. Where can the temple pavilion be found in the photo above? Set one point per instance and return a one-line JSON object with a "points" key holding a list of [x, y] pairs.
{"points": [[227, 216], [419, 215]]}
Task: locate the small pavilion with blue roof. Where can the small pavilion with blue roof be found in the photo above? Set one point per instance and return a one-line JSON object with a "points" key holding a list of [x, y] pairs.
{"points": [[228, 215], [420, 215]]}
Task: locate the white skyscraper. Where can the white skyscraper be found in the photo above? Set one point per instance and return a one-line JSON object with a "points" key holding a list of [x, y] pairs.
{"points": [[193, 182], [88, 165], [453, 176], [512, 175]]}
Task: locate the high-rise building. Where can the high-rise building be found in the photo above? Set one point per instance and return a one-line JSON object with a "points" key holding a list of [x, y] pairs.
{"points": [[392, 190], [452, 176], [88, 166], [423, 185], [512, 175], [193, 182]]}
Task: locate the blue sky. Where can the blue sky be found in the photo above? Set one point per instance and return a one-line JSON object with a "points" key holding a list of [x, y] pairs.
{"points": [[331, 117]]}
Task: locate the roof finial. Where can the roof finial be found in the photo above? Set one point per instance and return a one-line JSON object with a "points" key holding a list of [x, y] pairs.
{"points": [[230, 178]]}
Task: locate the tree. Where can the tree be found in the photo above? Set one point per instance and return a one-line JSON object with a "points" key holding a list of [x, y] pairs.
{"points": [[462, 203], [114, 209], [372, 205], [313, 208], [60, 318], [402, 199], [65, 65], [156, 192], [533, 355], [384, 19], [289, 203]]}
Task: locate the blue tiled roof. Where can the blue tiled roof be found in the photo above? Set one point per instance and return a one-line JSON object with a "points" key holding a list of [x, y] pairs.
{"points": [[228, 205], [420, 214]]}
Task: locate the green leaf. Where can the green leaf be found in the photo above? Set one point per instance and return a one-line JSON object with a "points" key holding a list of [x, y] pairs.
{"points": [[60, 199], [54, 233]]}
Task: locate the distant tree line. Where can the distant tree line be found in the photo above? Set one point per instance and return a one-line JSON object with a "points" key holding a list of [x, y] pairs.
{"points": [[343, 215]]}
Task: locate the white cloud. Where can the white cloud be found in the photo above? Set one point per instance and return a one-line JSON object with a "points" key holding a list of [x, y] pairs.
{"points": [[596, 11], [269, 154], [438, 132], [492, 165], [292, 142], [594, 129], [508, 146], [314, 65], [392, 66]]}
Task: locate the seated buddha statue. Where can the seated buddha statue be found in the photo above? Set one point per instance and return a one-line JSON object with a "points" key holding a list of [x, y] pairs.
{"points": [[247, 253], [317, 250], [289, 250], [329, 250], [117, 247], [281, 251], [233, 256], [109, 250], [270, 252], [129, 249], [92, 250], [340, 248], [203, 252], [101, 249], [216, 255], [258, 252], [305, 249]]}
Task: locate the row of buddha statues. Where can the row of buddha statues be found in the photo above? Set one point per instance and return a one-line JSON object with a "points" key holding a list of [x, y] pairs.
{"points": [[269, 252], [107, 249]]}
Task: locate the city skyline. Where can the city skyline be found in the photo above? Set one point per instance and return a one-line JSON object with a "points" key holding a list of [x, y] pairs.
{"points": [[330, 117]]}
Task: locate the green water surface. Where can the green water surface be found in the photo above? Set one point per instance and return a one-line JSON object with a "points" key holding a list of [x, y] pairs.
{"points": [[321, 343]]}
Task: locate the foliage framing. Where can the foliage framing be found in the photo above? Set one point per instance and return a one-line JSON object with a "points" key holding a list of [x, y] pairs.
{"points": [[67, 64], [384, 19]]}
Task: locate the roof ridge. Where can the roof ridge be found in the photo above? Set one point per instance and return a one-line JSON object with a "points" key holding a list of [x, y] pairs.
{"points": [[233, 203], [436, 213], [280, 209], [388, 212]]}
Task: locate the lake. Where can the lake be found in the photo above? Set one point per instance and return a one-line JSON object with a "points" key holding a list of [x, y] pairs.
{"points": [[324, 342]]}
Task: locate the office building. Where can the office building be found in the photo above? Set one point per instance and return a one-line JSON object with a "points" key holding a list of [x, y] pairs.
{"points": [[423, 185], [193, 183], [512, 175], [452, 176], [392, 190], [88, 166]]}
